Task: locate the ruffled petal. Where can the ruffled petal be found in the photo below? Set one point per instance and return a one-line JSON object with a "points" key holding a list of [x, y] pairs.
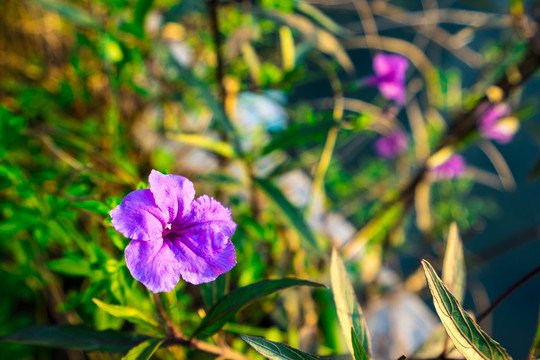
{"points": [[172, 193], [154, 264], [138, 217], [203, 256], [207, 214]]}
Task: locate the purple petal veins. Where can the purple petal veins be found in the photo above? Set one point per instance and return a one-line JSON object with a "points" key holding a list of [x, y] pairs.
{"points": [[390, 76], [174, 235]]}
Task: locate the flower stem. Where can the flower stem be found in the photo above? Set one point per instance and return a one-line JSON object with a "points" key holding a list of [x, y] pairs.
{"points": [[172, 330]]}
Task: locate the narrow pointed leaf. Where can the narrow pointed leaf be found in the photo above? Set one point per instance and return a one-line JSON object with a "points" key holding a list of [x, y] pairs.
{"points": [[234, 301], [290, 212], [535, 350], [75, 337], [359, 351], [453, 272], [276, 351], [128, 313], [144, 350], [471, 341], [348, 309]]}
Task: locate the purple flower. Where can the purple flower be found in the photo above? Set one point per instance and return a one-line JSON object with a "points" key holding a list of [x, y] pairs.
{"points": [[173, 234], [452, 168], [391, 145], [495, 123], [389, 76]]}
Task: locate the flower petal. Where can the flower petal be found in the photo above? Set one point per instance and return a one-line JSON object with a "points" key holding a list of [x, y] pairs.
{"points": [[382, 64], [154, 264], [138, 217], [206, 214], [203, 256], [172, 193], [393, 91]]}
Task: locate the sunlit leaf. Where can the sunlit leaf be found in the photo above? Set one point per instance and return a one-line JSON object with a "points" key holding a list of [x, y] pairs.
{"points": [[235, 300], [205, 142], [348, 309], [144, 350], [471, 341], [319, 16], [276, 351], [128, 313], [322, 39], [75, 337], [289, 211], [359, 351], [287, 48], [453, 272]]}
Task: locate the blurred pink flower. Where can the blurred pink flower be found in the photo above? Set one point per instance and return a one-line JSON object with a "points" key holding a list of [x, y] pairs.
{"points": [[452, 168], [391, 145], [389, 76], [495, 123]]}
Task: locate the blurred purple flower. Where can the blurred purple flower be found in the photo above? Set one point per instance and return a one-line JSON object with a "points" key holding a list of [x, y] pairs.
{"points": [[391, 145], [495, 123], [389, 76], [452, 168], [174, 235]]}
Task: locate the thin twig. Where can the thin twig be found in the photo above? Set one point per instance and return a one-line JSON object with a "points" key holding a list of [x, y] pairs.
{"points": [[507, 293]]}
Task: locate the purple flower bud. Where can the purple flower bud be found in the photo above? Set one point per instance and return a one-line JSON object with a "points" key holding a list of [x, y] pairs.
{"points": [[391, 145], [452, 168], [495, 123], [389, 76], [173, 234]]}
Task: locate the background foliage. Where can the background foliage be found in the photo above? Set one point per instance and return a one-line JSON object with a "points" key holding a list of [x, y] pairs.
{"points": [[260, 105]]}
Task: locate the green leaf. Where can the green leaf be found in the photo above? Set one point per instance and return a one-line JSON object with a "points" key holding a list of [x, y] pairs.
{"points": [[128, 313], [359, 351], [141, 9], [144, 350], [535, 350], [348, 309], [276, 351], [75, 337], [70, 266], [93, 206], [213, 291], [453, 272], [471, 341], [235, 300], [290, 212]]}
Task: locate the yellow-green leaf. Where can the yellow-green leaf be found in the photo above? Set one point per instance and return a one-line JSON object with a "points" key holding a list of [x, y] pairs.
{"points": [[322, 39], [348, 309], [453, 272], [204, 142], [276, 351], [144, 350], [128, 313], [359, 351], [471, 341]]}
